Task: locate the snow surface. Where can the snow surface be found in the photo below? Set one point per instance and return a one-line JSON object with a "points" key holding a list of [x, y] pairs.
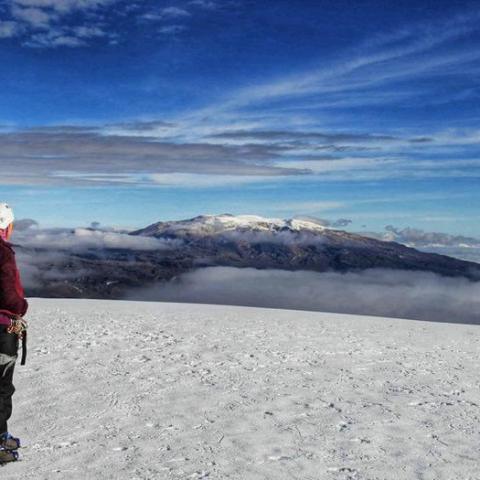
{"points": [[208, 224], [132, 390], [233, 222]]}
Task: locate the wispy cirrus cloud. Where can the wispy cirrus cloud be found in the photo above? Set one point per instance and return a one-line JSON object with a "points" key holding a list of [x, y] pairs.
{"points": [[382, 66], [299, 209], [249, 132], [379, 70], [322, 137]]}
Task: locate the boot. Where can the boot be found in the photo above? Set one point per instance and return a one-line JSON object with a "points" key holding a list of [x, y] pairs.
{"points": [[8, 442], [8, 456]]}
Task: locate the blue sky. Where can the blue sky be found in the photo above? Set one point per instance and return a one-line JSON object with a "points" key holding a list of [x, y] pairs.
{"points": [[128, 113]]}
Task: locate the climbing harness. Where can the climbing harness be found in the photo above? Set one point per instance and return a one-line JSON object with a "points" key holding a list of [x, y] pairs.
{"points": [[19, 326]]}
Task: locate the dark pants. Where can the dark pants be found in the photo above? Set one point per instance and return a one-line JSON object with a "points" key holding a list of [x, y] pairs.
{"points": [[8, 346]]}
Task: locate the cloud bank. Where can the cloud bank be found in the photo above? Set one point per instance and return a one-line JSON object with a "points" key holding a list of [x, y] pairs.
{"points": [[458, 246], [420, 238], [80, 240], [379, 292], [78, 155], [64, 262], [162, 153]]}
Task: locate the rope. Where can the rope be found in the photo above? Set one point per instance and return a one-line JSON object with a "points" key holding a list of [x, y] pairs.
{"points": [[8, 361]]}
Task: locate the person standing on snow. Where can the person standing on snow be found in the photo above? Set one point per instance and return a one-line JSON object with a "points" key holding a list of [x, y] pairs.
{"points": [[13, 307]]}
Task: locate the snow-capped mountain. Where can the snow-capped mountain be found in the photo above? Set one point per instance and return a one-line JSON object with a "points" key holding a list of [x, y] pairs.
{"points": [[106, 269], [220, 224], [252, 241]]}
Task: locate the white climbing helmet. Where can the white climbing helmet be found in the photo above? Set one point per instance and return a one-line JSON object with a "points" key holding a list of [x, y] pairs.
{"points": [[6, 215]]}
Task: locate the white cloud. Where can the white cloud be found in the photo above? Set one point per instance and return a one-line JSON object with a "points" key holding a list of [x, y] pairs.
{"points": [[41, 23], [458, 246], [79, 21], [382, 292], [63, 6], [69, 155], [88, 31], [294, 208], [35, 17], [205, 180], [163, 153], [419, 238], [174, 12], [453, 136], [165, 14], [81, 239], [54, 38], [346, 164], [362, 72], [207, 4], [66, 41], [60, 249], [171, 29], [9, 29]]}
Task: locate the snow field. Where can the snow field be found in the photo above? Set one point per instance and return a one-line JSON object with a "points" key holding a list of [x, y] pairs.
{"points": [[132, 390]]}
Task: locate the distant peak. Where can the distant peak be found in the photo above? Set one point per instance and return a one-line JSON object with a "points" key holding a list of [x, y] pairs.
{"points": [[227, 221], [214, 224]]}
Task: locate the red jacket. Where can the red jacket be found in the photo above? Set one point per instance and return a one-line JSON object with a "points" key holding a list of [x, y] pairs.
{"points": [[12, 298]]}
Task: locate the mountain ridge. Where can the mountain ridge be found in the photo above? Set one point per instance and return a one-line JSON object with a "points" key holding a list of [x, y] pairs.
{"points": [[245, 241]]}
